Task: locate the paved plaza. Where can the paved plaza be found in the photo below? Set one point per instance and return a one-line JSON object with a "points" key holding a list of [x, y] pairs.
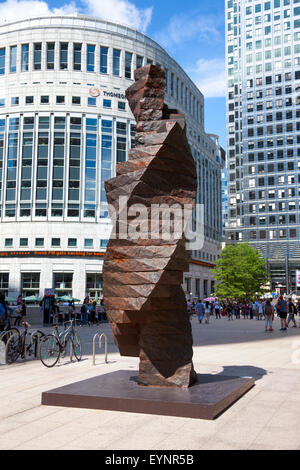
{"points": [[267, 417]]}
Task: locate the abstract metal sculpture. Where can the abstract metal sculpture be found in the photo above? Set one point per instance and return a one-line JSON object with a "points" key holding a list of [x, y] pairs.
{"points": [[142, 277]]}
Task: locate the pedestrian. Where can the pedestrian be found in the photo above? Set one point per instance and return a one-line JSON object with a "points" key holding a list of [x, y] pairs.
{"points": [[268, 311], [229, 311], [92, 310], [291, 314], [21, 312], [84, 312], [282, 308], [199, 310], [245, 310], [251, 310], [207, 312], [2, 317], [217, 309]]}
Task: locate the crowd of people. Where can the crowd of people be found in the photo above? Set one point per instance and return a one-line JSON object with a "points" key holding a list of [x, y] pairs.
{"points": [[90, 313], [284, 308]]}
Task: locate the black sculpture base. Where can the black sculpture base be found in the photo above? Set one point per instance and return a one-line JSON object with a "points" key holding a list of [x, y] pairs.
{"points": [[118, 391]]}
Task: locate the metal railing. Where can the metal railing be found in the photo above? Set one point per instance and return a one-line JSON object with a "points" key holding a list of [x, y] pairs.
{"points": [[100, 336]]}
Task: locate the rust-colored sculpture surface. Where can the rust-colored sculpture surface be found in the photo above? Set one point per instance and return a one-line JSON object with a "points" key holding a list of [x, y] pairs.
{"points": [[142, 277]]}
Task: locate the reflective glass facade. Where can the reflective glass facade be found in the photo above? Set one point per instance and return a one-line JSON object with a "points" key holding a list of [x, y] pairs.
{"points": [[263, 122]]}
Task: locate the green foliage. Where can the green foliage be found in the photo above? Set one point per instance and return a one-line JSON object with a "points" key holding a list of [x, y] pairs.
{"points": [[240, 273]]}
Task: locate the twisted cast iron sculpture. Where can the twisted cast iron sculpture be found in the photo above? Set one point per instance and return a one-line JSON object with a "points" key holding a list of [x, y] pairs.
{"points": [[142, 278]]}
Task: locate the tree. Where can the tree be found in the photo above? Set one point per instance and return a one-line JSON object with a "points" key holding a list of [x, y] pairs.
{"points": [[240, 273]]}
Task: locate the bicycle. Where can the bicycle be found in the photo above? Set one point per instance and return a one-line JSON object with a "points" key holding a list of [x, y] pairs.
{"points": [[9, 330], [55, 345], [17, 345]]}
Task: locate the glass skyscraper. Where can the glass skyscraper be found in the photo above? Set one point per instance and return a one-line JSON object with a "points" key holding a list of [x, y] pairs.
{"points": [[263, 124]]}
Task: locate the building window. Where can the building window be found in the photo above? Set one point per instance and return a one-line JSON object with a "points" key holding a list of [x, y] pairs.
{"points": [[50, 55], [63, 60], [92, 101], [121, 106], [44, 99], [4, 279], [13, 59], [128, 64], [2, 61], [72, 242], [39, 242], [90, 58], [116, 62], [23, 241], [103, 59], [62, 282], [76, 100], [25, 58], [88, 243], [8, 242], [77, 56], [60, 100], [106, 103], [15, 101], [55, 242], [37, 56], [29, 100], [93, 283], [139, 61], [30, 283]]}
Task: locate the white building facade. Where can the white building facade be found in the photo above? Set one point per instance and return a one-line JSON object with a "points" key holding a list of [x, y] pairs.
{"points": [[64, 124]]}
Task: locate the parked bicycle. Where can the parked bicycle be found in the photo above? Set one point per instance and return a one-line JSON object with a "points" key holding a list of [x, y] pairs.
{"points": [[18, 346], [9, 330], [55, 345]]}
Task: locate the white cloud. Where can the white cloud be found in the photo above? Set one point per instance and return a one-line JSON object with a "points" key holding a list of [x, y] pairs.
{"points": [[15, 9], [209, 76], [185, 28], [120, 11]]}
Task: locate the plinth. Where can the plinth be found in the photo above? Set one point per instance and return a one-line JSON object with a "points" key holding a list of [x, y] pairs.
{"points": [[118, 391]]}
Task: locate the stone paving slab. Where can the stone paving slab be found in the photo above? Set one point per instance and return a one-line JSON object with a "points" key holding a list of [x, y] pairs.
{"points": [[266, 417]]}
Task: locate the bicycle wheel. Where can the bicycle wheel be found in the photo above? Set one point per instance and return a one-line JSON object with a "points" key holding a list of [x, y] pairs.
{"points": [[49, 350], [13, 349], [76, 343], [5, 335]]}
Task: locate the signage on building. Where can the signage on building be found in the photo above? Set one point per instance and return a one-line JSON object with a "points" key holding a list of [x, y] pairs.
{"points": [[297, 278], [94, 91], [51, 254]]}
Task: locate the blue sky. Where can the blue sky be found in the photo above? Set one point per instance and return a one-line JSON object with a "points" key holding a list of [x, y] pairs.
{"points": [[192, 32]]}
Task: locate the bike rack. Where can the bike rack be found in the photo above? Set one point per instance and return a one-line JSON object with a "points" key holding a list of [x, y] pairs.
{"points": [[100, 336], [38, 335]]}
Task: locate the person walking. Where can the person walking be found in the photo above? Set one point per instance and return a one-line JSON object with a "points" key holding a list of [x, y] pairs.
{"points": [[84, 312], [207, 311], [21, 312], [93, 312], [268, 311], [217, 309], [251, 310], [282, 308], [229, 311], [199, 310], [291, 314], [245, 310]]}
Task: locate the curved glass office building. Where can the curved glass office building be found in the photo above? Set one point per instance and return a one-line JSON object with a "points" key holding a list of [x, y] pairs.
{"points": [[64, 124]]}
